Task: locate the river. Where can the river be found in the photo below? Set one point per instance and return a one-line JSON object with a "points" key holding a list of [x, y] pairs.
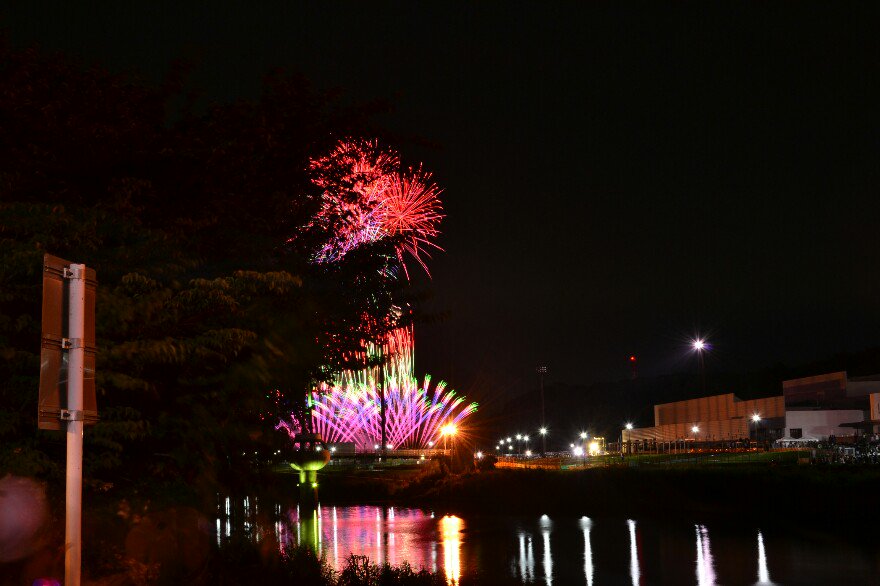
{"points": [[581, 550]]}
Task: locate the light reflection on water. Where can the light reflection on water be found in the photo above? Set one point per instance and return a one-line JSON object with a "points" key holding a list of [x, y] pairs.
{"points": [[634, 571], [705, 563], [586, 525], [614, 551]]}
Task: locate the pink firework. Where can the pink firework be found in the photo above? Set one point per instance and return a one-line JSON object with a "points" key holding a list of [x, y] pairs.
{"points": [[415, 413], [349, 409]]}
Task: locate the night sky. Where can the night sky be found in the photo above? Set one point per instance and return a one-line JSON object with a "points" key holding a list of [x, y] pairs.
{"points": [[618, 177]]}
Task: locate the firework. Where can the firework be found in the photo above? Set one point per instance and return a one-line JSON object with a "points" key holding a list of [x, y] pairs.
{"points": [[414, 413], [349, 409], [366, 198]]}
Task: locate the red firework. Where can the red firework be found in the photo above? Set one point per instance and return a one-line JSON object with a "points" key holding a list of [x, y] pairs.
{"points": [[365, 198], [411, 209]]}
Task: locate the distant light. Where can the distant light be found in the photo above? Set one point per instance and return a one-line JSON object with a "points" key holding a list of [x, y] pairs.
{"points": [[632, 358], [756, 418], [317, 448], [543, 431], [578, 451], [390, 447], [333, 448], [430, 444], [594, 448], [583, 435], [629, 425], [509, 440], [528, 452], [314, 485], [525, 438], [518, 436], [570, 445], [479, 455], [699, 344], [375, 446], [695, 429]]}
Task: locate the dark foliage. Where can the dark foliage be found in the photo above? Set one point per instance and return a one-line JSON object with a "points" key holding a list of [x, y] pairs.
{"points": [[203, 305]]}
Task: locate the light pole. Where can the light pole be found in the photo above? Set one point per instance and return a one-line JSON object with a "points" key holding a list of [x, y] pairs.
{"points": [[583, 437], [700, 345], [628, 427], [542, 370], [543, 432], [695, 429], [756, 418]]}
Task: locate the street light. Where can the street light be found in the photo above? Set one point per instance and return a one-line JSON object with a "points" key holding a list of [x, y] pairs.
{"points": [[542, 370], [543, 432], [700, 345], [695, 429], [448, 430], [629, 426], [757, 419]]}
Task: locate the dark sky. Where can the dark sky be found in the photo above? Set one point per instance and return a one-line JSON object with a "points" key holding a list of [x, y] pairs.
{"points": [[618, 176]]}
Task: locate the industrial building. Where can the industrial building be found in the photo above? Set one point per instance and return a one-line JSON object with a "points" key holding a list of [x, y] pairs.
{"points": [[720, 417], [832, 404], [809, 409]]}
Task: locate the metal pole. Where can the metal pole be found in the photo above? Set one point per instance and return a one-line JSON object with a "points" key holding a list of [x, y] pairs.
{"points": [[75, 372]]}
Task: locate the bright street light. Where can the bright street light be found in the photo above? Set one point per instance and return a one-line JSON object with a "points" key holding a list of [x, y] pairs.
{"points": [[629, 425], [583, 435], [525, 438], [543, 431], [695, 429], [578, 451], [518, 436], [756, 418]]}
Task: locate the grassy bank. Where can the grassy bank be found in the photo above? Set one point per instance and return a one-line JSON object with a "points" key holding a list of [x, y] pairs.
{"points": [[820, 494]]}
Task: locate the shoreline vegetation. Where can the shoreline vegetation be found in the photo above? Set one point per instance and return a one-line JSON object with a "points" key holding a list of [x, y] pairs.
{"points": [[822, 493]]}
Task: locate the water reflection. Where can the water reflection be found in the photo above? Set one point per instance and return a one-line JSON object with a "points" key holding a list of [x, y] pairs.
{"points": [[586, 525], [705, 563], [546, 525], [763, 572], [634, 571], [450, 531], [440, 544]]}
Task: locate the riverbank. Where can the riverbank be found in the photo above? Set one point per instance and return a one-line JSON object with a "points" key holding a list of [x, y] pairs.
{"points": [[823, 494]]}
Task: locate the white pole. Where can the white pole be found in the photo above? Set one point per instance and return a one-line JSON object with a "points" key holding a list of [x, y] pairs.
{"points": [[75, 371]]}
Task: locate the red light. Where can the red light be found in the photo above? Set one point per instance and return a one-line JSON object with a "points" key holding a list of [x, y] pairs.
{"points": [[632, 358]]}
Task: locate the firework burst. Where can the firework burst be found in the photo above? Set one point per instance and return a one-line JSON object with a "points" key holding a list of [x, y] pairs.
{"points": [[366, 198], [349, 409]]}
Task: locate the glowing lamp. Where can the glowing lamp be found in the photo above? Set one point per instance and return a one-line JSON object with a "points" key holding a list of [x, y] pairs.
{"points": [[629, 425]]}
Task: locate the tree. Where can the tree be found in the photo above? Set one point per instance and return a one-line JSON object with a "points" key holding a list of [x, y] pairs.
{"points": [[204, 305]]}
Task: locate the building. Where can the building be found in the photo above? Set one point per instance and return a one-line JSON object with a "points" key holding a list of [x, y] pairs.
{"points": [[719, 417], [826, 405]]}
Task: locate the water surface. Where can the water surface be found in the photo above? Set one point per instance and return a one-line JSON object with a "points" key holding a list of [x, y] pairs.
{"points": [[582, 550]]}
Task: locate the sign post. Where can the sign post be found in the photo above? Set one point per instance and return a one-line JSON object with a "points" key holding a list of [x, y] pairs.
{"points": [[74, 416], [67, 359]]}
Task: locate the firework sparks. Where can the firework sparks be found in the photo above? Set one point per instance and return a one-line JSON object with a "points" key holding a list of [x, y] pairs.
{"points": [[366, 198], [349, 410]]}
